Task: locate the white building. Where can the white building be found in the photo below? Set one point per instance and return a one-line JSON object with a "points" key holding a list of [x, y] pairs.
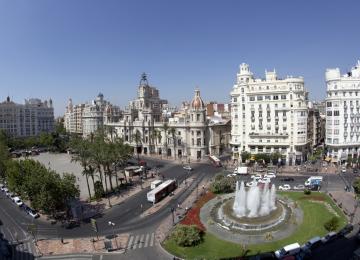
{"points": [[30, 119], [85, 119], [343, 113], [269, 115]]}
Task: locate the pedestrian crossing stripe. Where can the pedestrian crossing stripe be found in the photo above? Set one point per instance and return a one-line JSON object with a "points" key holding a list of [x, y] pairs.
{"points": [[140, 241]]}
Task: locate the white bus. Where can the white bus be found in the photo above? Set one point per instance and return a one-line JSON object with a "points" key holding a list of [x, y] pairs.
{"points": [[161, 191], [216, 161]]}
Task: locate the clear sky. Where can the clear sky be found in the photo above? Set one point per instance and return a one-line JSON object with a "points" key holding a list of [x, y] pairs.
{"points": [[78, 48]]}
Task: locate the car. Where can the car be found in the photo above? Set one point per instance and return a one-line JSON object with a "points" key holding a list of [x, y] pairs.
{"points": [[3, 187], [265, 180], [187, 167], [287, 179], [71, 224], [251, 184], [299, 187], [270, 175], [231, 175], [329, 237], [30, 211], [346, 230], [257, 176], [288, 251], [285, 187], [343, 169], [312, 243], [18, 201], [263, 256], [8, 193], [355, 171]]}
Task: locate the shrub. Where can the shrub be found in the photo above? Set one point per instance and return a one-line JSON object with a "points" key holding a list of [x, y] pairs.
{"points": [[332, 224], [307, 192], [187, 236]]}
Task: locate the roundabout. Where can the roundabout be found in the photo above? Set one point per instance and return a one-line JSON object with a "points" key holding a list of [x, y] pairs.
{"points": [[251, 215]]}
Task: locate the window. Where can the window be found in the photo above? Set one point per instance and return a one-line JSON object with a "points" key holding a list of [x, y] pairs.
{"points": [[328, 104], [268, 97], [336, 131], [329, 113], [275, 97], [235, 99], [283, 96], [259, 98], [197, 117], [252, 98], [336, 113]]}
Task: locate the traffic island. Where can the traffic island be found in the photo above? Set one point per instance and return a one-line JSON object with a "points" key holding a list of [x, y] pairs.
{"points": [[83, 245]]}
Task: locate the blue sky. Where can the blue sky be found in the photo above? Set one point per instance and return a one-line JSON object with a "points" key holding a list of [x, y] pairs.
{"points": [[67, 48]]}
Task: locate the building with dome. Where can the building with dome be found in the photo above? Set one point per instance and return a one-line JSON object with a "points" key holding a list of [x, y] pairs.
{"points": [[151, 126], [84, 119], [26, 120]]}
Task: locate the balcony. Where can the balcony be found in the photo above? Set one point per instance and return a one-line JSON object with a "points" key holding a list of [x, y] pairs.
{"points": [[268, 134], [345, 134]]}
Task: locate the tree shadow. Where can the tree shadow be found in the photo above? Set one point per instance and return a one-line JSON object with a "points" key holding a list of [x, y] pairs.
{"points": [[10, 251]]}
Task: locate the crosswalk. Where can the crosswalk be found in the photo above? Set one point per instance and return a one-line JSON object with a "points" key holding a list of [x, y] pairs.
{"points": [[139, 241]]}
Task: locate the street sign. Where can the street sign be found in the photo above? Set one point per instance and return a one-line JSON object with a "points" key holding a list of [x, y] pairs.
{"points": [[94, 225]]}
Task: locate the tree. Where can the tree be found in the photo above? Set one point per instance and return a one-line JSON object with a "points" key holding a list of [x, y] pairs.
{"points": [[356, 185], [173, 136], [245, 156], [166, 129], [187, 236], [137, 140], [332, 224], [4, 156], [46, 139], [275, 157], [82, 154]]}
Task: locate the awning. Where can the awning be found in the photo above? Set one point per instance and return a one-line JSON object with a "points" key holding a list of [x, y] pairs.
{"points": [[328, 159], [334, 160]]}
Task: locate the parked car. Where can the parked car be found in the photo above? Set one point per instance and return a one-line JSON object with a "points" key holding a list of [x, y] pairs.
{"points": [[4, 189], [299, 187], [355, 171], [343, 169], [312, 243], [329, 237], [31, 212], [285, 187], [346, 230], [18, 201], [187, 167], [270, 175], [231, 175], [287, 179], [263, 256], [288, 250], [71, 224]]}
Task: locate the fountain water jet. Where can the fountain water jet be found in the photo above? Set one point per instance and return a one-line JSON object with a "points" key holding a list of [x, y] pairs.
{"points": [[254, 202]]}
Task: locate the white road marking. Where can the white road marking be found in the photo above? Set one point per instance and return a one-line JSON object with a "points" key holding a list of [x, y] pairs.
{"points": [[141, 241], [136, 242], [152, 239], [130, 242], [147, 240]]}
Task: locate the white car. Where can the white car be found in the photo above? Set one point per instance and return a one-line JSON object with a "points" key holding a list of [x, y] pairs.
{"points": [[299, 187], [343, 170], [256, 176], [270, 175], [187, 167], [231, 175], [18, 201], [251, 184], [285, 187], [265, 180]]}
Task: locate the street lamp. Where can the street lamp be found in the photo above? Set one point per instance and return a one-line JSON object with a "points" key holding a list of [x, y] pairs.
{"points": [[112, 224], [172, 213]]}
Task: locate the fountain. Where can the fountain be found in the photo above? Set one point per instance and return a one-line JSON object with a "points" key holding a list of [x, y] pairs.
{"points": [[254, 202]]}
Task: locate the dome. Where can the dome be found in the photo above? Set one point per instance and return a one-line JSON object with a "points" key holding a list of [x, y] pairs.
{"points": [[197, 102]]}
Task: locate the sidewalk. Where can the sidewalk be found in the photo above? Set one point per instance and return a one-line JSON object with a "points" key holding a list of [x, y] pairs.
{"points": [[348, 203], [78, 246]]}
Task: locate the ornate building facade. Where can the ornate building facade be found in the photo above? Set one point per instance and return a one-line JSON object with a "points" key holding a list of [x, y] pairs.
{"points": [[269, 115], [150, 128]]}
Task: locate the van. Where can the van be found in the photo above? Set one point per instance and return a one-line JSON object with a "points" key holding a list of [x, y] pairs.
{"points": [[288, 250], [312, 243]]}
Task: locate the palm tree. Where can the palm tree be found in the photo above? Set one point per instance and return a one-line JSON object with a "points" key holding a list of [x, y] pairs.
{"points": [[82, 155], [110, 130], [166, 128], [137, 140], [173, 132]]}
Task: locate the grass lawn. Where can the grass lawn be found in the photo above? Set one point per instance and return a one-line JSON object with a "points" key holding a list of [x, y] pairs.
{"points": [[315, 215]]}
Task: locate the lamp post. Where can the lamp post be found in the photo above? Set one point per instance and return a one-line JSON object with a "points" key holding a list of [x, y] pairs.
{"points": [[112, 224]]}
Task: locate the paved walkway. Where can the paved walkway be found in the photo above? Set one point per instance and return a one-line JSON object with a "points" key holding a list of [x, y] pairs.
{"points": [[349, 204]]}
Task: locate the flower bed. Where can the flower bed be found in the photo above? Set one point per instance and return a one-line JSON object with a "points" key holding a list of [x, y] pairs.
{"points": [[192, 217]]}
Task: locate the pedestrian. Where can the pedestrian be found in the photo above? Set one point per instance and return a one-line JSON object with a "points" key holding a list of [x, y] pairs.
{"points": [[62, 240], [178, 205], [186, 209]]}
